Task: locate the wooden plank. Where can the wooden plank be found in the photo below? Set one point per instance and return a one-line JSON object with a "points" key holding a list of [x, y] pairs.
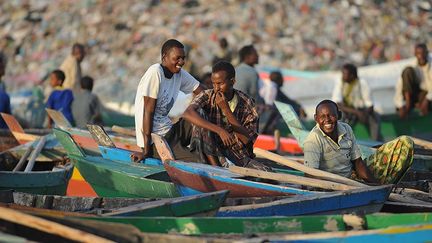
{"points": [[100, 135], [162, 148], [124, 131], [23, 159], [308, 170], [58, 118], [422, 142], [299, 180], [35, 154], [48, 226]]}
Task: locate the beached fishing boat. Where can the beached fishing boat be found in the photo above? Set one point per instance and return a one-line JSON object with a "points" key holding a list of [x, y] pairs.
{"points": [[205, 204], [361, 201], [268, 225], [207, 178], [35, 168], [115, 179]]}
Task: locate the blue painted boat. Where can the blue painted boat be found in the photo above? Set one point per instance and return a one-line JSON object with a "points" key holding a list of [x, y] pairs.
{"points": [[360, 201]]}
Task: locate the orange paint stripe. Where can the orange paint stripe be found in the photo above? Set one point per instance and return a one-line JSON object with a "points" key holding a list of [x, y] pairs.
{"points": [[80, 188]]}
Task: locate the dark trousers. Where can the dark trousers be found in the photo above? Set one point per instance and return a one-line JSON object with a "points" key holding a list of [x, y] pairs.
{"points": [[178, 138]]}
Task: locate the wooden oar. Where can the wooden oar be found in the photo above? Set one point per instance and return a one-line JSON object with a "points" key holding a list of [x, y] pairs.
{"points": [[291, 179], [124, 131], [48, 226], [23, 159], [35, 153], [25, 136], [308, 170], [422, 142]]}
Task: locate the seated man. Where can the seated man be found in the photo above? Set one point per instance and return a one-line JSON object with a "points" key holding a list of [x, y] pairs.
{"points": [[331, 146], [414, 87], [229, 123], [156, 94], [352, 95]]}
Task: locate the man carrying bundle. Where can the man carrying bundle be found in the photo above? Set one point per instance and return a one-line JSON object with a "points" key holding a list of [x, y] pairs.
{"points": [[331, 146]]}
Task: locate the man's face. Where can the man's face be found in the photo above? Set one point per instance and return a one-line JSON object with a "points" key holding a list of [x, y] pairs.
{"points": [[174, 59], [254, 58], [79, 54], [54, 81], [347, 76], [421, 54], [326, 118], [220, 83]]}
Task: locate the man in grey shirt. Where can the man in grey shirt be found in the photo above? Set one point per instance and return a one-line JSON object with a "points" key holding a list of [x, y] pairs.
{"points": [[246, 75], [86, 108], [331, 145]]}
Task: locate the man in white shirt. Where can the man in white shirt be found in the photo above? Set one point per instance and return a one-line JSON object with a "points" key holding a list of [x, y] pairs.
{"points": [[156, 94], [414, 87], [353, 97], [71, 66]]}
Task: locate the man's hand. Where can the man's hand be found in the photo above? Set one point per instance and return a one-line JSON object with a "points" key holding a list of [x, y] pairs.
{"points": [[362, 116], [221, 101], [227, 138], [424, 107], [403, 112], [138, 156]]}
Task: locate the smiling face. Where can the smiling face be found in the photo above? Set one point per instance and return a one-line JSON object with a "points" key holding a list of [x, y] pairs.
{"points": [[326, 118], [221, 84], [174, 59]]}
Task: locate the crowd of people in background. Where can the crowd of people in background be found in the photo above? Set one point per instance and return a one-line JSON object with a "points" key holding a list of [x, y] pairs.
{"points": [[122, 37]]}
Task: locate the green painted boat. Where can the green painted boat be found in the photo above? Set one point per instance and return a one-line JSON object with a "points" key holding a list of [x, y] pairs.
{"points": [[268, 225], [205, 204], [113, 179]]}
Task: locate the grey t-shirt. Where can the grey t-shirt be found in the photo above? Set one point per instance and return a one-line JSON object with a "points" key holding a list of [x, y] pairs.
{"points": [[321, 152], [86, 108], [247, 80]]}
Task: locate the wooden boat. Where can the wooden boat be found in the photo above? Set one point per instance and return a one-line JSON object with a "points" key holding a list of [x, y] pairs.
{"points": [[49, 227], [45, 171], [7, 140], [268, 225], [52, 150], [114, 179], [364, 200], [207, 178], [205, 204]]}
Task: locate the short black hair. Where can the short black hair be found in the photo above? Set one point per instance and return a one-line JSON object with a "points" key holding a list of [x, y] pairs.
{"points": [[323, 102], [226, 67], [167, 45], [351, 68], [421, 45], [78, 46], [59, 74], [87, 83], [277, 77], [245, 51]]}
